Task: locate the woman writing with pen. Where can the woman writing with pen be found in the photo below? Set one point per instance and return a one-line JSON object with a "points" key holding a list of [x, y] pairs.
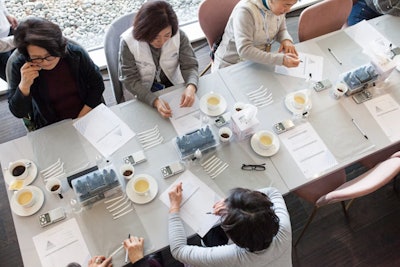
{"points": [[134, 247], [155, 54]]}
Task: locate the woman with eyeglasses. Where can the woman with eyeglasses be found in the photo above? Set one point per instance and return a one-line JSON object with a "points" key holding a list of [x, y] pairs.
{"points": [[155, 54], [52, 78]]}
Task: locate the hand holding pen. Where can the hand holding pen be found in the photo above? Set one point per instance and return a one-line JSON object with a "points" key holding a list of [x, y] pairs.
{"points": [[163, 108], [134, 247], [219, 207]]}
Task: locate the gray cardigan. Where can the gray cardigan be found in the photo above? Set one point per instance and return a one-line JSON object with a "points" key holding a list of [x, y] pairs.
{"points": [[278, 254]]}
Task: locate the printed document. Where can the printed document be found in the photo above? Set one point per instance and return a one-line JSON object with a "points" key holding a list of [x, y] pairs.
{"points": [[197, 200], [386, 112], [310, 68], [308, 150], [184, 119], [61, 245], [104, 130]]}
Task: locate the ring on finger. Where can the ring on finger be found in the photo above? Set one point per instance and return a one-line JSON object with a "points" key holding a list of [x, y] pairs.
{"points": [[98, 260]]}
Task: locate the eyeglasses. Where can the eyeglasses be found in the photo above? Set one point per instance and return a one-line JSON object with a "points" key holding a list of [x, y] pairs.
{"points": [[41, 59], [250, 167]]}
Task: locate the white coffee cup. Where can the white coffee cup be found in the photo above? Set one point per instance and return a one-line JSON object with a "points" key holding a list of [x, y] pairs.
{"points": [[25, 197], [127, 171], [18, 169], [300, 100], [141, 185], [339, 90], [53, 186], [225, 134], [213, 101], [266, 140]]}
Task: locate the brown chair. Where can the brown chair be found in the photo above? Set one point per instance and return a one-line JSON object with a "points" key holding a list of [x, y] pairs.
{"points": [[213, 16], [364, 184], [323, 17]]}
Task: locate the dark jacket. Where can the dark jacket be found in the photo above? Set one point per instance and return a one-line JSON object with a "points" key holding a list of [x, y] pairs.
{"points": [[33, 107]]}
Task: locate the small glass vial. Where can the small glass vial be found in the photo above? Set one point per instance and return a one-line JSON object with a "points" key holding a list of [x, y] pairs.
{"points": [[75, 206]]}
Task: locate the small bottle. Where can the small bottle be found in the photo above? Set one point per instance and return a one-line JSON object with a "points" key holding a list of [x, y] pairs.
{"points": [[75, 206]]}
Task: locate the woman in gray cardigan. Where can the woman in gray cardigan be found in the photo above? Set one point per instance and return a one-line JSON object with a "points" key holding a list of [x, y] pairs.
{"points": [[257, 223]]}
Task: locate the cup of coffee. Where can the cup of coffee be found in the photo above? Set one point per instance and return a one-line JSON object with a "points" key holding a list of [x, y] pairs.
{"points": [[25, 197], [266, 140], [213, 101], [53, 186], [127, 171], [300, 100], [225, 134], [18, 169], [141, 186], [238, 106], [339, 90]]}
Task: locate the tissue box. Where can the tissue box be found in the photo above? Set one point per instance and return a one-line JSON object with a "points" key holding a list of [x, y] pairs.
{"points": [[243, 128], [384, 67]]}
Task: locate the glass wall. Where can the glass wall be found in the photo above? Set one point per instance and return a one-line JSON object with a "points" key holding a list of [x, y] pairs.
{"points": [[86, 21]]}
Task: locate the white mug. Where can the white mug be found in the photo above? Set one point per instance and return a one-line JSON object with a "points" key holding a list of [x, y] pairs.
{"points": [[213, 101], [266, 140], [127, 171], [18, 169], [225, 134], [53, 185], [339, 90], [300, 100], [141, 186]]}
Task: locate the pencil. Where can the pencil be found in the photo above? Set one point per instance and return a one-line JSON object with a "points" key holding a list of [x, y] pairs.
{"points": [[126, 253]]}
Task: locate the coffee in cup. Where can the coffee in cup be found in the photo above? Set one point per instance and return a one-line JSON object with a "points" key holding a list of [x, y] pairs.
{"points": [[266, 140], [127, 171], [18, 169], [141, 186], [53, 186], [213, 101], [300, 99], [225, 134], [339, 90], [25, 197]]}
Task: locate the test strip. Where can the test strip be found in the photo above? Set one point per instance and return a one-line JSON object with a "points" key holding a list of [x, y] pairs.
{"points": [[122, 214]]}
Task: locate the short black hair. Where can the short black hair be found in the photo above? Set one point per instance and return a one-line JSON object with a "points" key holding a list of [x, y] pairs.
{"points": [[40, 32], [152, 18], [249, 219]]}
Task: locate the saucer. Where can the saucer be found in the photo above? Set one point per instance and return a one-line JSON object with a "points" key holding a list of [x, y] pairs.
{"points": [[289, 103], [135, 198], [216, 112], [32, 173], [31, 210], [264, 152]]}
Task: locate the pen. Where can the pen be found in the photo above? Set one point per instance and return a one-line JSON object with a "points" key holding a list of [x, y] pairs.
{"points": [[333, 54], [116, 251], [126, 253], [209, 212], [358, 127]]}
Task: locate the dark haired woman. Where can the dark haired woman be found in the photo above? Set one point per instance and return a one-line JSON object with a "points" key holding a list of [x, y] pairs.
{"points": [[155, 54], [257, 223], [52, 79]]}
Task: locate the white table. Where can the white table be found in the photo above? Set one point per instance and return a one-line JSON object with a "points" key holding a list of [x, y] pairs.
{"points": [[103, 235]]}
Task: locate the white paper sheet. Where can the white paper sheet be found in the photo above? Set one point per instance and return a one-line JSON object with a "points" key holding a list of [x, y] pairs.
{"points": [[197, 200], [104, 130], [308, 150], [186, 119], [386, 112], [62, 245], [311, 64]]}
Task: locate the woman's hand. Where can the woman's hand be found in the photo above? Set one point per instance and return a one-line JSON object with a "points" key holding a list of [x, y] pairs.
{"points": [[290, 60], [134, 245], [100, 261], [188, 96], [29, 72], [162, 108], [288, 47], [175, 198], [219, 207]]}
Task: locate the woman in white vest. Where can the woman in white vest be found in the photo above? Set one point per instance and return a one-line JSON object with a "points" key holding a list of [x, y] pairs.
{"points": [[155, 54], [251, 29]]}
